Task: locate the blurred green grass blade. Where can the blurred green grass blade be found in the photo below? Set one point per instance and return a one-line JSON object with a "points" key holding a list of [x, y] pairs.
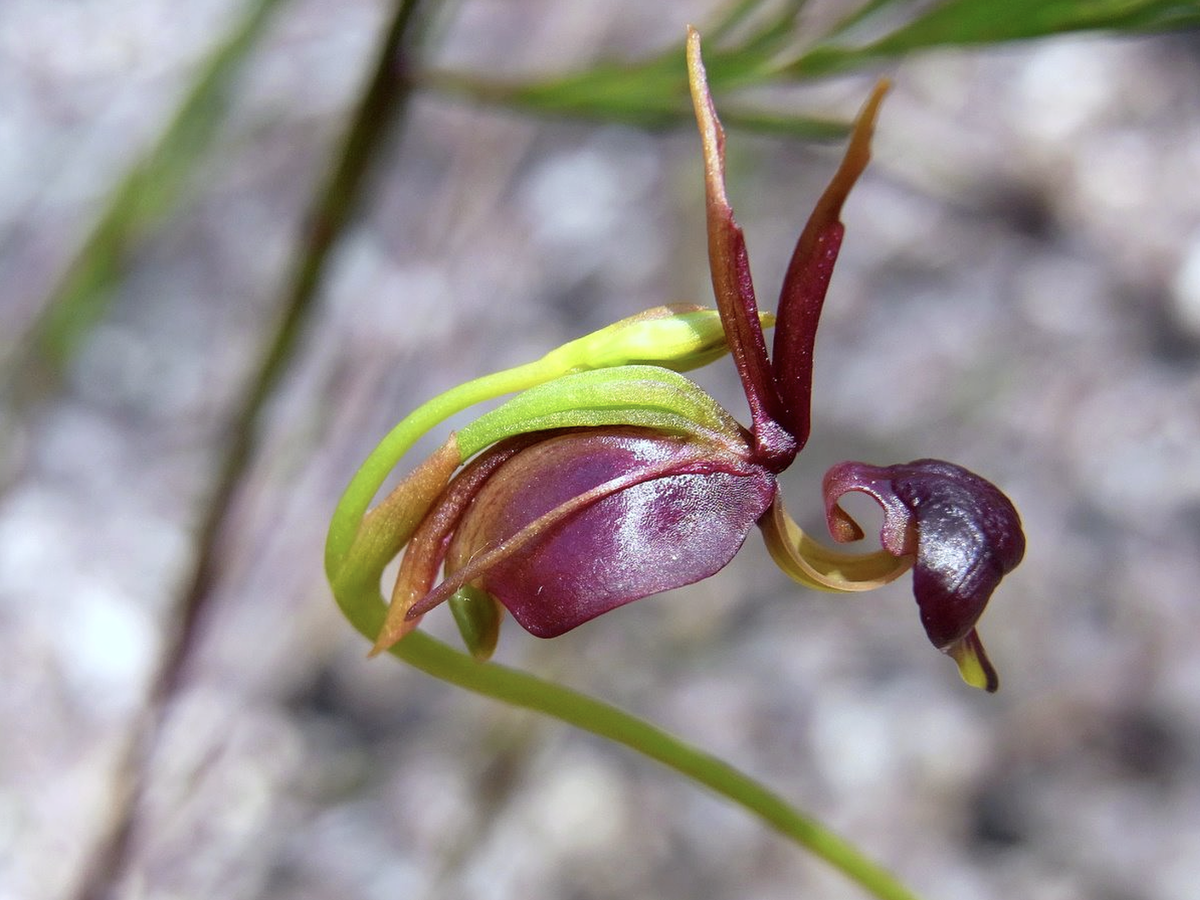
{"points": [[738, 14], [145, 195], [975, 22], [787, 124], [646, 102], [731, 18], [994, 21], [774, 32], [653, 93], [862, 13]]}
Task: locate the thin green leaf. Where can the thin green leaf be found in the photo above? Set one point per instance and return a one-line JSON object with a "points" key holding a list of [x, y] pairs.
{"points": [[977, 22], [627, 97], [864, 12], [994, 21], [653, 93], [148, 192], [765, 121], [735, 15]]}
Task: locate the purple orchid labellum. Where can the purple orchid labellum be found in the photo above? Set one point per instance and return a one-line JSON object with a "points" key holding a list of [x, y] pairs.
{"points": [[665, 513], [591, 503], [964, 533]]}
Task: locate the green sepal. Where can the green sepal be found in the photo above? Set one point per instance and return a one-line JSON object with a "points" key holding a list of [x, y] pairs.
{"points": [[678, 337], [646, 396]]}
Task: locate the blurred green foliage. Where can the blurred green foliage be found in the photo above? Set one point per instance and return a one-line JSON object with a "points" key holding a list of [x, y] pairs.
{"points": [[751, 43], [149, 191]]}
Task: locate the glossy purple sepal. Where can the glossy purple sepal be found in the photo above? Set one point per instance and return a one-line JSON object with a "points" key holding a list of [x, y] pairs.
{"points": [[589, 520]]}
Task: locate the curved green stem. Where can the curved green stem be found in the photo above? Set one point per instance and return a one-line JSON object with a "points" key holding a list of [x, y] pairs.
{"points": [[356, 499], [607, 721], [530, 692]]}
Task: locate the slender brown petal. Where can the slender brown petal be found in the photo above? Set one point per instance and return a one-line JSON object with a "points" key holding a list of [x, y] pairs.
{"points": [[808, 276], [732, 285], [388, 526]]}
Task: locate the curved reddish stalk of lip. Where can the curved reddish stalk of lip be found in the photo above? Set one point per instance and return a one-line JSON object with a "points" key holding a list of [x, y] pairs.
{"points": [[683, 464], [808, 274]]}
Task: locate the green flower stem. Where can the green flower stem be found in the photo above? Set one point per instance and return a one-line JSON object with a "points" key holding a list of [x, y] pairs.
{"points": [[600, 718], [530, 692], [352, 508]]}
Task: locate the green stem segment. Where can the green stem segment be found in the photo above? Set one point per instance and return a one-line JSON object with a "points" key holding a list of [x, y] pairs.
{"points": [[352, 508], [607, 721], [528, 691]]}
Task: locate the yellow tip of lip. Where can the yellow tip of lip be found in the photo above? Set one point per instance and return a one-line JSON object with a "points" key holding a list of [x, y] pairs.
{"points": [[973, 663]]}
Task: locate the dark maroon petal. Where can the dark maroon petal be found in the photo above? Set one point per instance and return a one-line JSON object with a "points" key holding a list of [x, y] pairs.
{"points": [[808, 275], [678, 526], [965, 533], [800, 304], [733, 288], [467, 563]]}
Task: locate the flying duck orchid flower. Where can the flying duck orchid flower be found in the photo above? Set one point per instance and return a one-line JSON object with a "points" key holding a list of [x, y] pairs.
{"points": [[610, 476]]}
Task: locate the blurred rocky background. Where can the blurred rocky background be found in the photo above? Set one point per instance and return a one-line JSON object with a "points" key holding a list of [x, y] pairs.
{"points": [[186, 715]]}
